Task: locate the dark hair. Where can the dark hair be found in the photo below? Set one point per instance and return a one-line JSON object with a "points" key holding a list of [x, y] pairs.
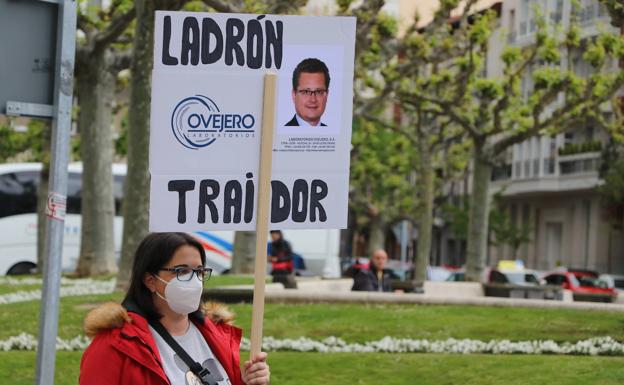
{"points": [[310, 65], [154, 252]]}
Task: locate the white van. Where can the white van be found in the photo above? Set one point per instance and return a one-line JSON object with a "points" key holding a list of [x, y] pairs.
{"points": [[18, 226]]}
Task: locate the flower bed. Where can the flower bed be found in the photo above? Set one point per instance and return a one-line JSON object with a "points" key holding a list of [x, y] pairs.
{"points": [[69, 288], [599, 346]]}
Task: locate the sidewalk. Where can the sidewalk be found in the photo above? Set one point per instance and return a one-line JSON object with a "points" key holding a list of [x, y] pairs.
{"points": [[314, 290]]}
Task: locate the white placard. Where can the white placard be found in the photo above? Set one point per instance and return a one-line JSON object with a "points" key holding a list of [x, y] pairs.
{"points": [[206, 115]]}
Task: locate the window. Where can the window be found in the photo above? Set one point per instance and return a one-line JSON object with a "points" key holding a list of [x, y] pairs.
{"points": [[517, 169], [555, 279], [557, 14], [524, 16], [498, 277], [74, 192], [118, 191], [549, 166], [512, 26], [18, 193]]}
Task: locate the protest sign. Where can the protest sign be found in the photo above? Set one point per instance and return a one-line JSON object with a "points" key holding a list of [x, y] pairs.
{"points": [[250, 126], [207, 102]]}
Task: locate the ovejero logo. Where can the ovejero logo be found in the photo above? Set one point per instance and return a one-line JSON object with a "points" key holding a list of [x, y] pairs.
{"points": [[197, 122]]}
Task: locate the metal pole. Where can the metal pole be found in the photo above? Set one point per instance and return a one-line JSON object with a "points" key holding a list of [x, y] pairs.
{"points": [[57, 195]]}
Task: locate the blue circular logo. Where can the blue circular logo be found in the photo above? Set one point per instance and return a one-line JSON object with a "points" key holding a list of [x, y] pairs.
{"points": [[191, 122]]}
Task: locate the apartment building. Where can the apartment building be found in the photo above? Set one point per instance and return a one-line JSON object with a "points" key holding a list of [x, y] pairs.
{"points": [[549, 184]]}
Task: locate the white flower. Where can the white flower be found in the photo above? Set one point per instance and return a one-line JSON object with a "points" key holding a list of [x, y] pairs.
{"points": [[69, 288]]}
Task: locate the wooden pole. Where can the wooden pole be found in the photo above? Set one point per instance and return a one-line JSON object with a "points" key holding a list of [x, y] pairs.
{"points": [[262, 216]]}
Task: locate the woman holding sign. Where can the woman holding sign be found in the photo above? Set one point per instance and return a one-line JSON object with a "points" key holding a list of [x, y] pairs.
{"points": [[159, 335]]}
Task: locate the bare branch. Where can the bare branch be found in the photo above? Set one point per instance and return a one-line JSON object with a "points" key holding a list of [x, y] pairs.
{"points": [[363, 28], [122, 60], [285, 6], [447, 107], [563, 117], [394, 127], [116, 27], [221, 6], [83, 23]]}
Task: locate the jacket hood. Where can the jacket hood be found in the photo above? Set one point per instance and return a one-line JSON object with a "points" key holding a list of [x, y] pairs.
{"points": [[111, 315]]}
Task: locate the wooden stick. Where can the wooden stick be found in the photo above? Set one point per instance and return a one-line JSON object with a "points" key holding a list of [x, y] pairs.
{"points": [[262, 216]]}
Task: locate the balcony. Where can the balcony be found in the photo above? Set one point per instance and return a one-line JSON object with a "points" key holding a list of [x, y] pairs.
{"points": [[523, 28], [579, 148], [592, 11], [577, 170], [501, 172], [556, 17], [579, 163]]}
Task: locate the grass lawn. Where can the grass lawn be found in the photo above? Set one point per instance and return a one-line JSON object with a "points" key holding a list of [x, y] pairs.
{"points": [[389, 369], [356, 322], [5, 289], [359, 323]]}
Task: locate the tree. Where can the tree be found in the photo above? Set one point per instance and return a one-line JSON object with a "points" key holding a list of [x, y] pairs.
{"points": [[616, 10], [381, 176], [612, 191], [136, 187], [428, 131], [503, 231], [381, 193], [244, 252], [99, 59], [492, 110]]}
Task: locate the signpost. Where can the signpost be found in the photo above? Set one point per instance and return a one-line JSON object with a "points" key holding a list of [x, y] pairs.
{"points": [[29, 30], [251, 126], [36, 80]]}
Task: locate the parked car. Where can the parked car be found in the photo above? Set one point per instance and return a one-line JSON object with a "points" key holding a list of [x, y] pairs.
{"points": [[588, 278], [460, 275], [613, 281], [578, 273], [568, 281], [514, 277], [456, 276]]}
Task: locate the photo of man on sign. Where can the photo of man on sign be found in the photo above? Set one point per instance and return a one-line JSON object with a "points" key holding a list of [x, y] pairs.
{"points": [[310, 90]]}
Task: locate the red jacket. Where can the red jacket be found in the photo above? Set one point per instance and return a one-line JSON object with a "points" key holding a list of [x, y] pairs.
{"points": [[124, 352]]}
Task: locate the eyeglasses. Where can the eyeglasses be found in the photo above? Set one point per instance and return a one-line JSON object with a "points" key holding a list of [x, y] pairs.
{"points": [[184, 273], [308, 93]]}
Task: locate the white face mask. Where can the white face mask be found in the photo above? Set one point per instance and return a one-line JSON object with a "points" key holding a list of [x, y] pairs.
{"points": [[183, 297]]}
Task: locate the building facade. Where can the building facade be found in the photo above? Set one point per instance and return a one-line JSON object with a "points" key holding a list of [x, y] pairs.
{"points": [[549, 184]]}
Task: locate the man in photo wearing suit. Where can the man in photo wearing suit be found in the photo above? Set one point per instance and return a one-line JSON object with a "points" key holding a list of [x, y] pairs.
{"points": [[310, 87]]}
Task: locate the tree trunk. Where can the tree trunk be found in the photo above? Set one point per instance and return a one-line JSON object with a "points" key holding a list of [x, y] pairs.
{"points": [[377, 234], [136, 201], [478, 220], [244, 253], [42, 197], [96, 92], [425, 224]]}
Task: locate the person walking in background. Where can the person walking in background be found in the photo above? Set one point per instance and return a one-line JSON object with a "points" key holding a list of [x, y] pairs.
{"points": [[281, 258], [376, 277], [159, 335]]}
